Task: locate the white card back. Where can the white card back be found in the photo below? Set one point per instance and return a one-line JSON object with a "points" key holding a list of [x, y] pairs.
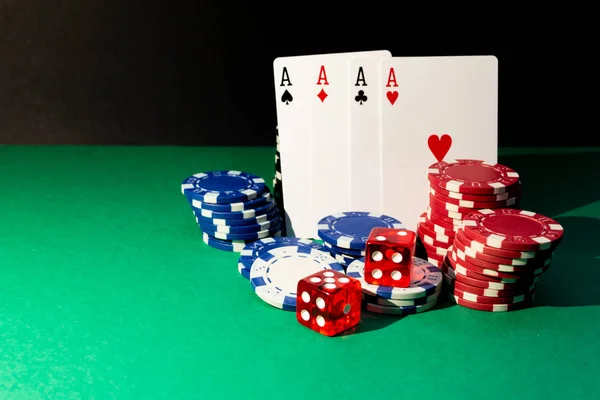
{"points": [[456, 96]]}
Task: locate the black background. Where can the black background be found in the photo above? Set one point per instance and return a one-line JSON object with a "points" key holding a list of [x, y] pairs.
{"points": [[200, 73]]}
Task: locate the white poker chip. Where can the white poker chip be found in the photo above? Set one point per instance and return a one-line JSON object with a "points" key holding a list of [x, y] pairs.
{"points": [[425, 280], [274, 275]]}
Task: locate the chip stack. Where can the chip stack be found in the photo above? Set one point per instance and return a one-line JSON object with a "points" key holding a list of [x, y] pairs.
{"points": [[278, 184], [498, 257], [345, 234], [232, 208], [421, 295], [457, 189]]}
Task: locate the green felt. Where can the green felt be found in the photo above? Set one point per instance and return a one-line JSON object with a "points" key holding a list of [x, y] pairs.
{"points": [[108, 292]]}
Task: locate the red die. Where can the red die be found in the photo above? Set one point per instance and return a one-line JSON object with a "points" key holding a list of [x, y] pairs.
{"points": [[389, 256], [328, 302]]}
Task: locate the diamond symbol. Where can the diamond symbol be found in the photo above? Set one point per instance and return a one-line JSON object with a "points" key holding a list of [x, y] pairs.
{"points": [[322, 95]]}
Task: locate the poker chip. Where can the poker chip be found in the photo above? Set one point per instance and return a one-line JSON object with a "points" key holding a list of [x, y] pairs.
{"points": [[489, 307], [465, 206], [482, 248], [491, 300], [225, 245], [400, 310], [350, 230], [223, 186], [246, 236], [236, 215], [541, 258], [473, 177], [232, 207], [456, 190], [479, 291], [253, 250], [400, 303], [485, 282], [426, 279], [461, 266], [347, 252], [513, 229], [459, 254], [441, 193], [275, 273], [276, 221], [269, 216]]}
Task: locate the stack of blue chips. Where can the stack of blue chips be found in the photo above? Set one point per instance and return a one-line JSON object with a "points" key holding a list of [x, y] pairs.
{"points": [[232, 208], [345, 234]]}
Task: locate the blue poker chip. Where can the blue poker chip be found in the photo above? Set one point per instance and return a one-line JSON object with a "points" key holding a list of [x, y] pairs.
{"points": [[223, 186], [344, 260], [253, 250], [234, 215], [235, 246], [274, 274], [238, 222], [241, 229], [425, 280], [246, 236], [232, 207], [345, 252], [350, 230], [244, 271]]}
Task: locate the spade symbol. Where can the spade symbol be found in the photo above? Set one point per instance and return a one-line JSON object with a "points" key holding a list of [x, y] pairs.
{"points": [[287, 97], [360, 97]]}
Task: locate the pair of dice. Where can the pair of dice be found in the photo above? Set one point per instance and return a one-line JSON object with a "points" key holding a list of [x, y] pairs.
{"points": [[329, 302]]}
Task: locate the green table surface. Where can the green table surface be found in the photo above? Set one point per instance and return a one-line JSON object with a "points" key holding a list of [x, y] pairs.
{"points": [[108, 292]]}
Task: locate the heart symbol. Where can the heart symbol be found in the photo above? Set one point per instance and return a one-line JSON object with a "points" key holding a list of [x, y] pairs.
{"points": [[392, 96], [439, 146]]}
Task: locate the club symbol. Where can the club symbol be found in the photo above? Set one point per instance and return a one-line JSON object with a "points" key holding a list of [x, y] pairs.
{"points": [[360, 97], [287, 97]]}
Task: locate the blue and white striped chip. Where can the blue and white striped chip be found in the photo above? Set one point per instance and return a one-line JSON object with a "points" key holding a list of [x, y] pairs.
{"points": [[425, 280], [274, 275], [223, 186]]}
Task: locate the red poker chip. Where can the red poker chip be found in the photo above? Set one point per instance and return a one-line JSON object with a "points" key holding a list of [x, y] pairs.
{"points": [[504, 276], [426, 238], [514, 191], [491, 292], [448, 226], [459, 243], [501, 264], [472, 279], [436, 251], [447, 213], [508, 228], [429, 229], [460, 269], [482, 248], [490, 307], [434, 255], [439, 230], [441, 216], [490, 300], [473, 176], [464, 206]]}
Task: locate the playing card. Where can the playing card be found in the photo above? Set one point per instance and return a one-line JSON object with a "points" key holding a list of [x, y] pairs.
{"points": [[293, 124], [330, 133], [365, 134], [314, 155], [434, 108]]}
